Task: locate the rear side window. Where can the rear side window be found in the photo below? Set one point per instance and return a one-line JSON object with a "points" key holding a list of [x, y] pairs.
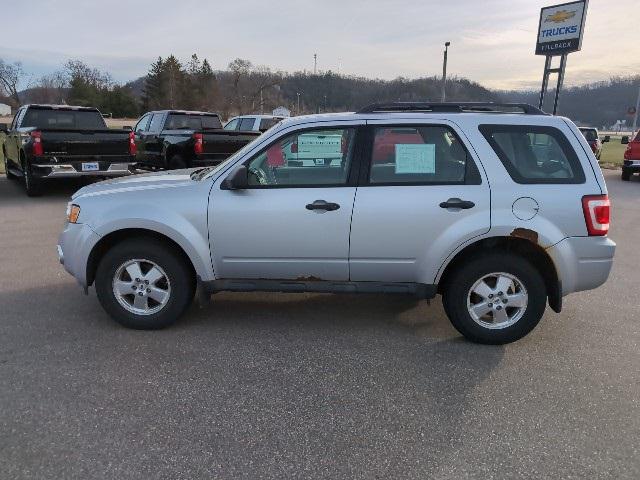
{"points": [[247, 123], [534, 154], [420, 155], [156, 122]]}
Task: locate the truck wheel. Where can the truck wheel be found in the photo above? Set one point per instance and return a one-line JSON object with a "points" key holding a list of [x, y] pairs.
{"points": [[32, 185], [7, 172], [626, 175], [495, 299], [176, 162], [144, 284]]}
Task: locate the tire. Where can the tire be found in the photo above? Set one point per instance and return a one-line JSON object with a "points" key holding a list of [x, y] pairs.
{"points": [[176, 162], [526, 283], [173, 276], [31, 185], [626, 175]]}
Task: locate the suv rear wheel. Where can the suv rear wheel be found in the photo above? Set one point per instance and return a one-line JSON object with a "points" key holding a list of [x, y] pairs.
{"points": [[144, 284], [495, 299]]}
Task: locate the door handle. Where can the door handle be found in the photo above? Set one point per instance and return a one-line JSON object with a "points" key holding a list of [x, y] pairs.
{"points": [[322, 205], [457, 203]]}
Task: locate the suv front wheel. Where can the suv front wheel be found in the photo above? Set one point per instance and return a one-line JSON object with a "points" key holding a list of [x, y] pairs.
{"points": [[495, 299], [144, 284]]}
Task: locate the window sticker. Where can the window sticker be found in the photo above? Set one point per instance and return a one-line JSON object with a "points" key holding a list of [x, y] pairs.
{"points": [[415, 158]]}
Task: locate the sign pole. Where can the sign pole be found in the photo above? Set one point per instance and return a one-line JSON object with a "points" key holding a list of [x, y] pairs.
{"points": [[545, 80], [563, 64], [635, 115]]}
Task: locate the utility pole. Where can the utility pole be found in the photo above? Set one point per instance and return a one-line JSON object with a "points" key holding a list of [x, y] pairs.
{"points": [[298, 109], [261, 102], [444, 71], [315, 63], [635, 115]]}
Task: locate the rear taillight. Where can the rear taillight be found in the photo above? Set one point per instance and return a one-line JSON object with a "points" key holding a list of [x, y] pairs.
{"points": [[133, 149], [294, 147], [36, 139], [597, 210], [198, 147]]}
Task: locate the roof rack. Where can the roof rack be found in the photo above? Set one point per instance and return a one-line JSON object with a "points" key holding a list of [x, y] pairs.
{"points": [[452, 107]]}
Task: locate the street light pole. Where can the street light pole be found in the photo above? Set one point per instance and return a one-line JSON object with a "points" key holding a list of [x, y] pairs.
{"points": [[444, 71], [298, 109], [635, 115], [315, 63]]}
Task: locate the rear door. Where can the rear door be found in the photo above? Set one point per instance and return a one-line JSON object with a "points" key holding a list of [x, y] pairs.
{"points": [[153, 140], [140, 131], [421, 194]]}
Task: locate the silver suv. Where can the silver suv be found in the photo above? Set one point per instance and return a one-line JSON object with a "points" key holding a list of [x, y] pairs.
{"points": [[498, 208]]}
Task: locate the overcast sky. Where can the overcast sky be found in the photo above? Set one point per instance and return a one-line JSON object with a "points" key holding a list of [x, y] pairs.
{"points": [[492, 41]]}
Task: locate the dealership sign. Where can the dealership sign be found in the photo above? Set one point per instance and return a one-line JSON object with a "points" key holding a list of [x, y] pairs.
{"points": [[560, 28]]}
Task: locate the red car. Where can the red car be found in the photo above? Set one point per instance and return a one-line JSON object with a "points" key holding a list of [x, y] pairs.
{"points": [[631, 163]]}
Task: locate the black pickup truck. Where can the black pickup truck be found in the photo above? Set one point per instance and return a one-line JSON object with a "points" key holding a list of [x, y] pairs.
{"points": [[179, 139], [59, 141]]}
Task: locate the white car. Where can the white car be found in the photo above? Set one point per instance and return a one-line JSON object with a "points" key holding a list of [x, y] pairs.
{"points": [[254, 123]]}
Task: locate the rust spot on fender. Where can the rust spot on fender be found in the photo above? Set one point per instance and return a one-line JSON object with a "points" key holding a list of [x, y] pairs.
{"points": [[309, 278], [526, 234]]}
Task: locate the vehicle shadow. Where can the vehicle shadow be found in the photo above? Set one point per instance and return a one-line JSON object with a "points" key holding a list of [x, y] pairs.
{"points": [[323, 381], [13, 192]]}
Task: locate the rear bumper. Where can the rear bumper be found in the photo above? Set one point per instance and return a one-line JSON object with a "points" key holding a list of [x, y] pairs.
{"points": [[631, 165], [80, 168], [582, 263]]}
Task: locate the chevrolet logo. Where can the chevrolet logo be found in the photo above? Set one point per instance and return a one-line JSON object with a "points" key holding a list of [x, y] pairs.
{"points": [[560, 16]]}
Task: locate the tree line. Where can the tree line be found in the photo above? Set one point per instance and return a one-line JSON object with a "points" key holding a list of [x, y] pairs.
{"points": [[243, 87]]}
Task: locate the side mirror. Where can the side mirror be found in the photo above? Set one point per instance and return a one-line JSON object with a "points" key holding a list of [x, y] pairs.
{"points": [[4, 128], [237, 180], [127, 128], [624, 140], [606, 139]]}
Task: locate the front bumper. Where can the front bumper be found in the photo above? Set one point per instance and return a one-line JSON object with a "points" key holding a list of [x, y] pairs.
{"points": [[582, 263], [74, 247]]}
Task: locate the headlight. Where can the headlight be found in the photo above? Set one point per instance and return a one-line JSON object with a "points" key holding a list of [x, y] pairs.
{"points": [[73, 212]]}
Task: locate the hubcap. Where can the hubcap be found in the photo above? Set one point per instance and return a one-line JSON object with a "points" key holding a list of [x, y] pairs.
{"points": [[497, 300], [141, 287]]}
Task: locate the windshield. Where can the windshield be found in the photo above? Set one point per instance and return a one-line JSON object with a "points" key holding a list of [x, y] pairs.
{"points": [[68, 119]]}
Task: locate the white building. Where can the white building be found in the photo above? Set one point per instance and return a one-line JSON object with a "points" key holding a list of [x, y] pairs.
{"points": [[5, 110], [281, 112]]}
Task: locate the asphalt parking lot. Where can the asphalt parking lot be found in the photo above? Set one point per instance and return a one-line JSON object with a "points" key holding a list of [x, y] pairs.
{"points": [[308, 386]]}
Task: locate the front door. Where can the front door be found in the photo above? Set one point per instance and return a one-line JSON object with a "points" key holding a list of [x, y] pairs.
{"points": [[293, 220], [421, 195]]}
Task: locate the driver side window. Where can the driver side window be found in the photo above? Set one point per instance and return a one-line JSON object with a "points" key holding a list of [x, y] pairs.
{"points": [[305, 158]]}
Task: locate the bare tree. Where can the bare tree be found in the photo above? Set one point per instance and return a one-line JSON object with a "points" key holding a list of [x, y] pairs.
{"points": [[10, 76]]}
